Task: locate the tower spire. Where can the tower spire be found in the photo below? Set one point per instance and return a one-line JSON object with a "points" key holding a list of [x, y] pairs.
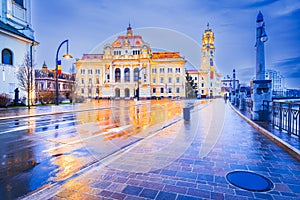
{"points": [[129, 30]]}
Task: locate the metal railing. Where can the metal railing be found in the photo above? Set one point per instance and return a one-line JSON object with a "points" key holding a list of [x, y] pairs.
{"points": [[286, 116]]}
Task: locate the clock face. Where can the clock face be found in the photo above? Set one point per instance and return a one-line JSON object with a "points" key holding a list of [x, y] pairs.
{"points": [[264, 38]]}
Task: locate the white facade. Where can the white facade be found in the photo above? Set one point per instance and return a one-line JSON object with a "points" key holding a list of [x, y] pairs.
{"points": [[16, 40]]}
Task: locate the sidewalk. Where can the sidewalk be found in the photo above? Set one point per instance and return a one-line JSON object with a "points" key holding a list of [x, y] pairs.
{"points": [[173, 164]]}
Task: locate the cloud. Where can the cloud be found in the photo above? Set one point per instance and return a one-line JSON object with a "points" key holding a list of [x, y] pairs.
{"points": [[289, 67], [260, 3]]}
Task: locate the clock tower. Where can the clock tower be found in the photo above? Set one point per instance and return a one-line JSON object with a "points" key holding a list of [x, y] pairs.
{"points": [[261, 88]]}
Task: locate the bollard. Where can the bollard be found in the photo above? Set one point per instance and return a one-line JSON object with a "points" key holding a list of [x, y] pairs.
{"points": [[186, 114]]}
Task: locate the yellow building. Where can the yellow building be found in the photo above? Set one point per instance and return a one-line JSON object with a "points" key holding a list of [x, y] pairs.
{"points": [[128, 68], [207, 78]]}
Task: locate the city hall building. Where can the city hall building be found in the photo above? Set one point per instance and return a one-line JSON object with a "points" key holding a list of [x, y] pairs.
{"points": [[128, 68]]}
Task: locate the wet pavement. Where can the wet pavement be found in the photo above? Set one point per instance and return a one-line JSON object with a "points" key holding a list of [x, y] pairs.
{"points": [[47, 145], [184, 160]]}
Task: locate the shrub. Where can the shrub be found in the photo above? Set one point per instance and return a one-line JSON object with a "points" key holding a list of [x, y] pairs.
{"points": [[4, 100]]}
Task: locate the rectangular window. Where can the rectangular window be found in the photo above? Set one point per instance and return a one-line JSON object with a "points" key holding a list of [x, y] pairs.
{"points": [[162, 70], [161, 80], [82, 91], [170, 70], [154, 70], [170, 80], [195, 78], [98, 71], [97, 81], [178, 90], [82, 71], [154, 80], [177, 70], [177, 79], [153, 90], [161, 90], [170, 90], [202, 84], [82, 81]]}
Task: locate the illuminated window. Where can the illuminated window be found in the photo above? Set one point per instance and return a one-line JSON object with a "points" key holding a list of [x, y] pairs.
{"points": [[7, 57]]}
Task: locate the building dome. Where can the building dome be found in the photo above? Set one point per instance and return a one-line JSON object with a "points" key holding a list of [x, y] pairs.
{"points": [[260, 17]]}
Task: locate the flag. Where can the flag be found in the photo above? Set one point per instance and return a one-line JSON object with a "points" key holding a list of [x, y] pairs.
{"points": [[59, 67]]}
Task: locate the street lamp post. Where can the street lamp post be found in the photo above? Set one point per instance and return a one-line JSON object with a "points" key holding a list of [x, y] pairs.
{"points": [[67, 55]]}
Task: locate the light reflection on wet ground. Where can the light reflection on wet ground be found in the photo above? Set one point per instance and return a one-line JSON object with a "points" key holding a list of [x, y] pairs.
{"points": [[37, 151]]}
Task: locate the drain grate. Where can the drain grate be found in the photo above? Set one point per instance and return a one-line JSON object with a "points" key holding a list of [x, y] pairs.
{"points": [[249, 181]]}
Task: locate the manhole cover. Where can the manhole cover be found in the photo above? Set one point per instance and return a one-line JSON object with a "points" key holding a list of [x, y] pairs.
{"points": [[249, 181]]}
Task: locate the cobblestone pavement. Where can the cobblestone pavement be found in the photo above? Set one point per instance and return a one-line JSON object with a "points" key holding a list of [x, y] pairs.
{"points": [[191, 175]]}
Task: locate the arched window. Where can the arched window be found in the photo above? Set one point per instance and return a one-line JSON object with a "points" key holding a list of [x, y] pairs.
{"points": [[117, 75], [136, 74], [7, 57], [127, 74]]}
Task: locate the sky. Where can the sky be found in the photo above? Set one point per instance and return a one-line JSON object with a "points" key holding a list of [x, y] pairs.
{"points": [[89, 24]]}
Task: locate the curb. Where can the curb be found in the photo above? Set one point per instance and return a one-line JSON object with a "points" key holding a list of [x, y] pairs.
{"points": [[290, 149]]}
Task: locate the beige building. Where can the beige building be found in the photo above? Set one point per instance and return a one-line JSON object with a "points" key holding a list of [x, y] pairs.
{"points": [[128, 68], [45, 82], [207, 78]]}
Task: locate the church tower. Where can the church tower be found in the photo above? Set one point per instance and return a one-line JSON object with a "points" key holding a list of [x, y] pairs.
{"points": [[17, 13]]}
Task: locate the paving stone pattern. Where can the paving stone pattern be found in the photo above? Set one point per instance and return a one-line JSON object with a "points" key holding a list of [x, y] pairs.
{"points": [[240, 147]]}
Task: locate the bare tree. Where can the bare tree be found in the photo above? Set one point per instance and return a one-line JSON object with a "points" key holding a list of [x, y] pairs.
{"points": [[25, 77]]}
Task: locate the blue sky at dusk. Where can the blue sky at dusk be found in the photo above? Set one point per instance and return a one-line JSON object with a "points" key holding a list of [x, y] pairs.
{"points": [[90, 22]]}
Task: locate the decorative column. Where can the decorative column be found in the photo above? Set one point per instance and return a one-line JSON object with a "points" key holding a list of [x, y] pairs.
{"points": [[261, 88], [233, 88]]}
